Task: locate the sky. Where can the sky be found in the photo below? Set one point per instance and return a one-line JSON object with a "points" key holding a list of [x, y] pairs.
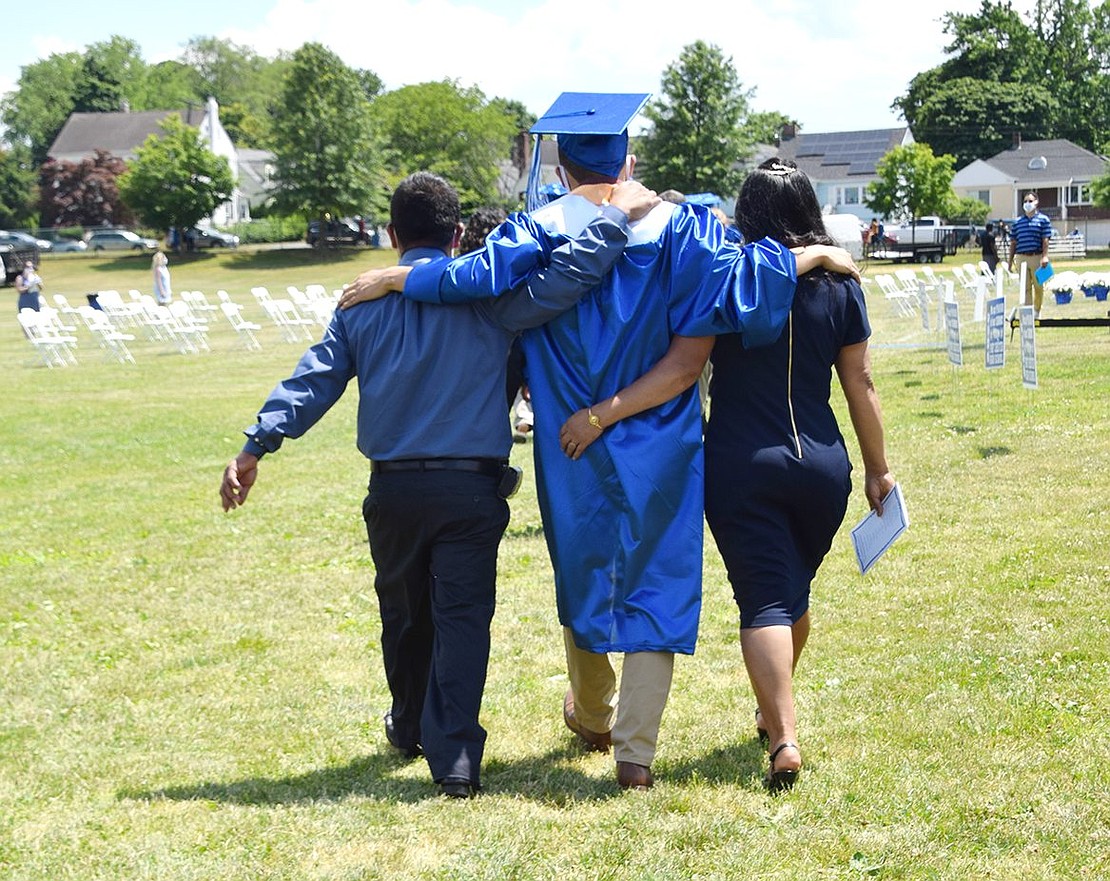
{"points": [[833, 65]]}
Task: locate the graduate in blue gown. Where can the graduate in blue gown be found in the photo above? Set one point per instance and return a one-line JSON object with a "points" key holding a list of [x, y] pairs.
{"points": [[622, 517]]}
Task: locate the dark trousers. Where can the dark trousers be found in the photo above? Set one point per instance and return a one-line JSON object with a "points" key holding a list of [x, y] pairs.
{"points": [[434, 538]]}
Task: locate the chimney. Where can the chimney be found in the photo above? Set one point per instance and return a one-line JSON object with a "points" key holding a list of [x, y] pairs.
{"points": [[788, 132], [1017, 141]]}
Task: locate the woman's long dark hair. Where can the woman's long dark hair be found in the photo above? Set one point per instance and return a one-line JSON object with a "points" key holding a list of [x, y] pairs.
{"points": [[777, 201]]}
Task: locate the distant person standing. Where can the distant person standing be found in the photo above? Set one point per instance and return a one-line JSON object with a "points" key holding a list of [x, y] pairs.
{"points": [[163, 292], [1029, 238], [28, 285], [989, 246]]}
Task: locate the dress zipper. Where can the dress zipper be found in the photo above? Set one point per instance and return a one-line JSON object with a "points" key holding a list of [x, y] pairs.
{"points": [[790, 383]]}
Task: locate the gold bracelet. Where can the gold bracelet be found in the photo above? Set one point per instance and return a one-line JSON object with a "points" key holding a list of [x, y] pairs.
{"points": [[593, 420]]}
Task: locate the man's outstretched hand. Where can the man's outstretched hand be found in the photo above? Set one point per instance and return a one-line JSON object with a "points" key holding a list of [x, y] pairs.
{"points": [[239, 476]]}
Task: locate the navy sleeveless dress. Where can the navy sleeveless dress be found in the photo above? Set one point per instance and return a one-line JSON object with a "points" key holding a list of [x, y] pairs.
{"points": [[777, 475]]}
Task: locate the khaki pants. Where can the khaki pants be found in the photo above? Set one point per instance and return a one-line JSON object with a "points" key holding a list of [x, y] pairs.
{"points": [[634, 718], [1033, 295]]}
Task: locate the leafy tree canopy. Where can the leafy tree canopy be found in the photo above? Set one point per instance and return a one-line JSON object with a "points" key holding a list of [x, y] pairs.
{"points": [[1100, 190], [324, 148], [450, 130], [965, 208], [175, 180], [976, 118], [912, 183], [702, 127], [1046, 75], [17, 186], [36, 111]]}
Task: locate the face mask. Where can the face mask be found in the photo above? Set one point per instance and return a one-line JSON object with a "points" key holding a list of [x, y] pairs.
{"points": [[1029, 207]]}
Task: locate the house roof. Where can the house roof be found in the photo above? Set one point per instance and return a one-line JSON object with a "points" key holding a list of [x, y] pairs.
{"points": [[981, 174], [837, 155], [1063, 162], [118, 133]]}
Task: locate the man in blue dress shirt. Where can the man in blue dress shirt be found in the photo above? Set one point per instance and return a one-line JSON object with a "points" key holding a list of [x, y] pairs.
{"points": [[1029, 238], [432, 420]]}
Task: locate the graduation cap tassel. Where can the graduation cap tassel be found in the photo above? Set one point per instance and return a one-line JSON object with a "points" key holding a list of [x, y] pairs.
{"points": [[532, 199]]}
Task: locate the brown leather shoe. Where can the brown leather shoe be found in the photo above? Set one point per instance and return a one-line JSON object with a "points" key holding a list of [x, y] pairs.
{"points": [[633, 776], [592, 740]]}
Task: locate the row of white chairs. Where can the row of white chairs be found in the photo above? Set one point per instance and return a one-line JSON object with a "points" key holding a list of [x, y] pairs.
{"points": [[901, 288], [183, 324]]}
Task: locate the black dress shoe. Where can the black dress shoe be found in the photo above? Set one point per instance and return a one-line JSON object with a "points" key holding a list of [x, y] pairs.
{"points": [[409, 749], [454, 787]]}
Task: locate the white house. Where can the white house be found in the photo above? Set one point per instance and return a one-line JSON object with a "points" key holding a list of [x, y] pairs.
{"points": [[121, 134]]}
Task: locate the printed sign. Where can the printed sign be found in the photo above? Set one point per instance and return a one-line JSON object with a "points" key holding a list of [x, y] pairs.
{"points": [[1028, 347], [996, 333], [952, 326]]}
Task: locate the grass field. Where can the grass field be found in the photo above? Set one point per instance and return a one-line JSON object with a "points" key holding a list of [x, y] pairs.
{"points": [[192, 695]]}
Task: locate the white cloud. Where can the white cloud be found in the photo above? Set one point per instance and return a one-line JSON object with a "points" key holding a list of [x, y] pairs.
{"points": [[833, 66]]}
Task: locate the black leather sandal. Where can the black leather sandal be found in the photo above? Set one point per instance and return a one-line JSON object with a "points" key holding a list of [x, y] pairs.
{"points": [[781, 781], [761, 732]]}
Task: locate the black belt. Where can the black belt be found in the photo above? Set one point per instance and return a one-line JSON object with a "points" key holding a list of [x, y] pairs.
{"points": [[492, 467]]}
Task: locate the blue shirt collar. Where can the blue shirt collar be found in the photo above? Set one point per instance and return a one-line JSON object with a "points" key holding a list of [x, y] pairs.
{"points": [[416, 256]]}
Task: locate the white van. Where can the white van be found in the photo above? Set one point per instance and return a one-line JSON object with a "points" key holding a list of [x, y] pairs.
{"points": [[846, 232]]}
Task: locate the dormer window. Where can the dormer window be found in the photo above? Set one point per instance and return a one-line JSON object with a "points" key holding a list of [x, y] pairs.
{"points": [[1038, 163]]}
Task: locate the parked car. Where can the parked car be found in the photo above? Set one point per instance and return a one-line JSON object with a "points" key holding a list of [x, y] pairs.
{"points": [[211, 238], [14, 257], [23, 240], [61, 246], [344, 232], [119, 240]]}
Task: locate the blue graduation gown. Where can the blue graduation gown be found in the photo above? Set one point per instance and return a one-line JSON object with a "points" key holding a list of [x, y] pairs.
{"points": [[624, 523]]}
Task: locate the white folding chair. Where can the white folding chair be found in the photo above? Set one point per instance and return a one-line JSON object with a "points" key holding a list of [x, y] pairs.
{"points": [[188, 327], [112, 341], [901, 303], [54, 348], [244, 329]]}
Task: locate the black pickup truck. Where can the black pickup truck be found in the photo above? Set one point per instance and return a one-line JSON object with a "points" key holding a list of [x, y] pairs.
{"points": [[14, 257]]}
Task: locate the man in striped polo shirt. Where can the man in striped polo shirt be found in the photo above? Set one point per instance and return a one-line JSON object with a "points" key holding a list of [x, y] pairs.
{"points": [[1029, 237]]}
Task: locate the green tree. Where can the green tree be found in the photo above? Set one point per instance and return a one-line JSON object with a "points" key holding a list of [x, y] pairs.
{"points": [[112, 74], [449, 130], [324, 150], [912, 182], [247, 85], [17, 186], [1100, 190], [698, 129], [167, 85], [766, 125], [972, 118], [175, 180], [1045, 75], [966, 208], [37, 109]]}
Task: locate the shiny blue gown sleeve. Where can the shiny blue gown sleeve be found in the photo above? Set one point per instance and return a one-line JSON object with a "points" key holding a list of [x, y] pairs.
{"points": [[715, 287], [532, 274]]}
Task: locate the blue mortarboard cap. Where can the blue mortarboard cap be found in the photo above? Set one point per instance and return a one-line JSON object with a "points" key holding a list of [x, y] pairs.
{"points": [[592, 130]]}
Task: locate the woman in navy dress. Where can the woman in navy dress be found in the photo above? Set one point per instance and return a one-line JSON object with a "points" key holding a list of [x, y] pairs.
{"points": [[777, 469]]}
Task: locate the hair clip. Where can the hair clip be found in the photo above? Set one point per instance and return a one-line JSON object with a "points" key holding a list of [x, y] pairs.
{"points": [[777, 168]]}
